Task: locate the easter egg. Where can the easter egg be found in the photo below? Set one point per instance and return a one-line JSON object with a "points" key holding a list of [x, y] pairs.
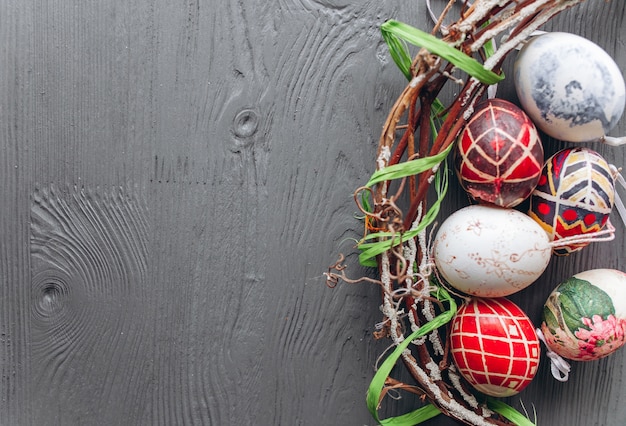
{"points": [[499, 155], [575, 195], [571, 88], [490, 251], [494, 345], [584, 317]]}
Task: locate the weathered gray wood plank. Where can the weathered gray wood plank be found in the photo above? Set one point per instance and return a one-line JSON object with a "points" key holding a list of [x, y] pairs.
{"points": [[175, 177], [14, 228], [89, 285]]}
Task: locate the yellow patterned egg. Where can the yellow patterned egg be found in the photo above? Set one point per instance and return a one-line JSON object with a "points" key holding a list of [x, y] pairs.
{"points": [[574, 198]]}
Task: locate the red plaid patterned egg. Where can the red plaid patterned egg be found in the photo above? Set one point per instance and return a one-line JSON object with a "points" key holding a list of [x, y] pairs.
{"points": [[575, 196], [499, 154], [494, 345]]}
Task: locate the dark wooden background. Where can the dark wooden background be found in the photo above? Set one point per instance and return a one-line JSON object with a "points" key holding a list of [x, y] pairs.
{"points": [[175, 177]]}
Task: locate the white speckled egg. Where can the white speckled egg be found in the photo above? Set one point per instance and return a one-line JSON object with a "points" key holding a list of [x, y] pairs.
{"points": [[584, 318], [571, 88], [490, 251]]}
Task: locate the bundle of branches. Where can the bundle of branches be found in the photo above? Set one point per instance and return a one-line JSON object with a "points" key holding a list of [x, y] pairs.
{"points": [[417, 136]]}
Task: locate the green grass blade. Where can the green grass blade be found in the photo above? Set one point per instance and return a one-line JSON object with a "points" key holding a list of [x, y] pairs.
{"points": [[440, 48], [408, 168], [370, 250], [418, 416], [509, 412], [378, 382], [399, 53]]}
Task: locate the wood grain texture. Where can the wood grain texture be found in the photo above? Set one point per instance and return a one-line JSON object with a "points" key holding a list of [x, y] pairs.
{"points": [[14, 229], [175, 177], [324, 121], [89, 279]]}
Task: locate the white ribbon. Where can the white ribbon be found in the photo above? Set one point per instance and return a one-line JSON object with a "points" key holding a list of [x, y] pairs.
{"points": [[606, 234], [613, 141], [559, 367], [432, 14], [619, 204]]}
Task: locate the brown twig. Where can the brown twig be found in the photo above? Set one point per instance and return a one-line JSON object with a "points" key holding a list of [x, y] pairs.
{"points": [[406, 304]]}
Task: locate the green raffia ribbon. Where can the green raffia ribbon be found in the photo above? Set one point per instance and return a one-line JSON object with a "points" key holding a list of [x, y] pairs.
{"points": [[396, 33], [408, 168], [509, 412], [378, 382], [383, 241], [397, 49]]}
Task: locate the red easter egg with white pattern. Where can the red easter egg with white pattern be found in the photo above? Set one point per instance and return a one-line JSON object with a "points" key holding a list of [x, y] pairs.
{"points": [[499, 155], [494, 345]]}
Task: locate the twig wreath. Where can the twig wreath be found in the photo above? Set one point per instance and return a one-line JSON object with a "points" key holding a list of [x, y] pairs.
{"points": [[416, 138]]}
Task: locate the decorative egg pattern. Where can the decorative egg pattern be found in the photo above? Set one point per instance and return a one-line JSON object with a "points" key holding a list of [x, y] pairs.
{"points": [[574, 196], [584, 318], [571, 88], [490, 251], [494, 345], [499, 155]]}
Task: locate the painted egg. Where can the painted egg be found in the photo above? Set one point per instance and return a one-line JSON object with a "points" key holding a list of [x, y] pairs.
{"points": [[584, 318], [571, 88], [574, 196], [490, 251], [499, 155], [494, 345]]}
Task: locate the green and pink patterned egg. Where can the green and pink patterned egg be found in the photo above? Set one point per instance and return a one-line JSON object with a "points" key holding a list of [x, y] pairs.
{"points": [[584, 318], [499, 155], [575, 196]]}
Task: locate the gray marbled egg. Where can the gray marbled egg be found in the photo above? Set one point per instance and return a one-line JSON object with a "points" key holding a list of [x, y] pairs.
{"points": [[571, 88]]}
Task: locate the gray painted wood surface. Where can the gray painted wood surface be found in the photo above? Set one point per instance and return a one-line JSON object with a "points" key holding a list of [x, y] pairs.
{"points": [[175, 177]]}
